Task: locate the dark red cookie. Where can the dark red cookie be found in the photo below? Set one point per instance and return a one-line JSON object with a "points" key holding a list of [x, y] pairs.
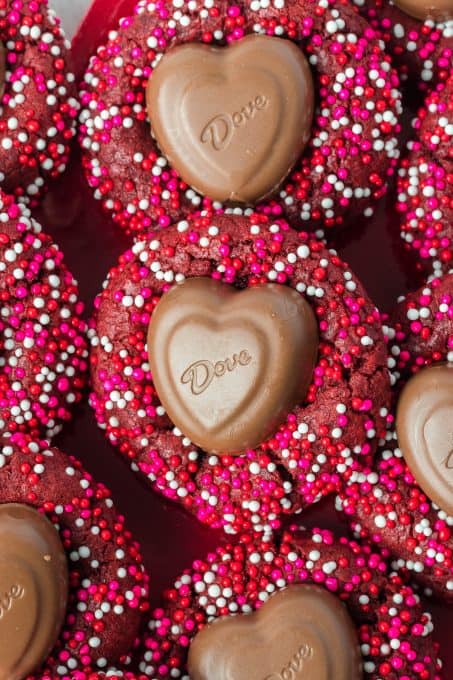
{"points": [[108, 586], [339, 421], [345, 166], [425, 183], [394, 632], [421, 50], [421, 329], [43, 346], [39, 105], [384, 502]]}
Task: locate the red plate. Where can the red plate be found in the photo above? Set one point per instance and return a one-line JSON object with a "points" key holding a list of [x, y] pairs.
{"points": [[170, 538]]}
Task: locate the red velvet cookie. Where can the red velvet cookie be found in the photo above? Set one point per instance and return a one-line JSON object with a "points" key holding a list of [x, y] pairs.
{"points": [[421, 329], [43, 346], [352, 147], [39, 105], [384, 502], [425, 182], [422, 50], [107, 584], [316, 447], [392, 630]]}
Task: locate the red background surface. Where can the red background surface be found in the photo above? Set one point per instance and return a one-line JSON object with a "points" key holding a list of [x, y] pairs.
{"points": [[91, 243]]}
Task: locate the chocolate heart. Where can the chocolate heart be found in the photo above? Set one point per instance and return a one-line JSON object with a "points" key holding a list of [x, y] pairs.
{"points": [[228, 366], [438, 10], [424, 426], [33, 589], [302, 633], [232, 121]]}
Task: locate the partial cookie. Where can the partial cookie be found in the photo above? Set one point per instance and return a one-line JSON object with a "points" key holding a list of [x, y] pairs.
{"points": [[349, 584], [108, 586], [421, 47], [352, 144], [38, 105], [43, 346], [425, 183], [420, 332], [384, 502], [317, 444]]}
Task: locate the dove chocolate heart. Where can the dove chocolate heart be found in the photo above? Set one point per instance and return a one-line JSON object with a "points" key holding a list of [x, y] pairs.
{"points": [[302, 633], [229, 365], [33, 589], [232, 120], [438, 10], [424, 426]]}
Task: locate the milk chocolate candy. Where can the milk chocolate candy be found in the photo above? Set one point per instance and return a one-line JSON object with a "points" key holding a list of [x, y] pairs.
{"points": [[33, 590], [302, 633], [232, 120], [424, 426], [438, 10], [229, 365]]}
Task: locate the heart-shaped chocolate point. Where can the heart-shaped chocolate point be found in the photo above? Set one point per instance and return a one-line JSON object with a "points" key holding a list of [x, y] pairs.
{"points": [[424, 427], [232, 120], [229, 365], [302, 633], [33, 590], [437, 10]]}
